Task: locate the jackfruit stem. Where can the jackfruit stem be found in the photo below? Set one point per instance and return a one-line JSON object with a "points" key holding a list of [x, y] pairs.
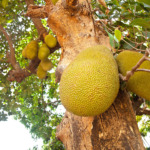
{"points": [[135, 68]]}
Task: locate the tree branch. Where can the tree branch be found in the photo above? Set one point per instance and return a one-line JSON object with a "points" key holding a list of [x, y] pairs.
{"points": [[145, 70], [142, 111], [37, 22], [134, 69], [36, 12], [137, 102], [11, 56]]}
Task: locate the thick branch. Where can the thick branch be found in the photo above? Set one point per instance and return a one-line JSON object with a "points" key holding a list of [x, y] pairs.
{"points": [[37, 22], [36, 12], [12, 58], [142, 111], [135, 68]]}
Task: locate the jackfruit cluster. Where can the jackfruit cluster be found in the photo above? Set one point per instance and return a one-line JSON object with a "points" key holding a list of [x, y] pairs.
{"points": [[31, 51], [90, 84], [43, 53], [45, 63], [139, 83]]}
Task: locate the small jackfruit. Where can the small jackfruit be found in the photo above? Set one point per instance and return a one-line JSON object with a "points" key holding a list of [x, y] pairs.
{"points": [[40, 72], [43, 52], [31, 50], [50, 40], [139, 83], [46, 64], [24, 53], [90, 84]]}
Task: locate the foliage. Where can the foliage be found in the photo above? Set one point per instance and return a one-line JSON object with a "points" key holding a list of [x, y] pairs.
{"points": [[35, 102]]}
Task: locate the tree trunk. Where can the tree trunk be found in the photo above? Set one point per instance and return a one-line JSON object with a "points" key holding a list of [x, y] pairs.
{"points": [[73, 23], [116, 129]]}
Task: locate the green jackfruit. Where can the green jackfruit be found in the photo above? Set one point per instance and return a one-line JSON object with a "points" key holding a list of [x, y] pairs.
{"points": [[24, 52], [90, 84], [50, 40], [46, 64], [43, 52], [54, 1], [40, 72], [139, 83], [31, 50]]}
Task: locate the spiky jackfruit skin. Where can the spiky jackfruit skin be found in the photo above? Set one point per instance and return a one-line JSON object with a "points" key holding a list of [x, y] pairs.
{"points": [[90, 84], [31, 50], [50, 41], [139, 83], [46, 64], [40, 72], [43, 52]]}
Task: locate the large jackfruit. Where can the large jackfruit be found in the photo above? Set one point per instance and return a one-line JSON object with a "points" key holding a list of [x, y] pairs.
{"points": [[90, 84], [139, 83]]}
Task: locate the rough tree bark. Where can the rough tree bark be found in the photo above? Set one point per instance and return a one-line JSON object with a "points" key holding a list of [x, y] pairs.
{"points": [[73, 23]]}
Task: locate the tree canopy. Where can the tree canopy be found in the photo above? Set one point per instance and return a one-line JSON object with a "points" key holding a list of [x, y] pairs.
{"points": [[36, 102]]}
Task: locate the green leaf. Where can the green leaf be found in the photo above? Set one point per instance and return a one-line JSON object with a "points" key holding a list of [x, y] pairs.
{"points": [[4, 3], [144, 1], [111, 39], [145, 23], [9, 21], [118, 34]]}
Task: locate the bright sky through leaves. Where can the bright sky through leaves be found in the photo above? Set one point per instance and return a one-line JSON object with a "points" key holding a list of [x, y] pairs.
{"points": [[14, 136]]}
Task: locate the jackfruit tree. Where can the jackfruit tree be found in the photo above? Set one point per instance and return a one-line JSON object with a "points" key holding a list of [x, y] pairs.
{"points": [[76, 54]]}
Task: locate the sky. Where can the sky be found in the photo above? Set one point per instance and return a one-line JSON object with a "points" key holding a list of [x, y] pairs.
{"points": [[14, 136]]}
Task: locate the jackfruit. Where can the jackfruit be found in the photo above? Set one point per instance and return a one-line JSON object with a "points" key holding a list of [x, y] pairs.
{"points": [[24, 53], [54, 1], [46, 64], [139, 83], [32, 50], [90, 84], [43, 52], [40, 72], [50, 41]]}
